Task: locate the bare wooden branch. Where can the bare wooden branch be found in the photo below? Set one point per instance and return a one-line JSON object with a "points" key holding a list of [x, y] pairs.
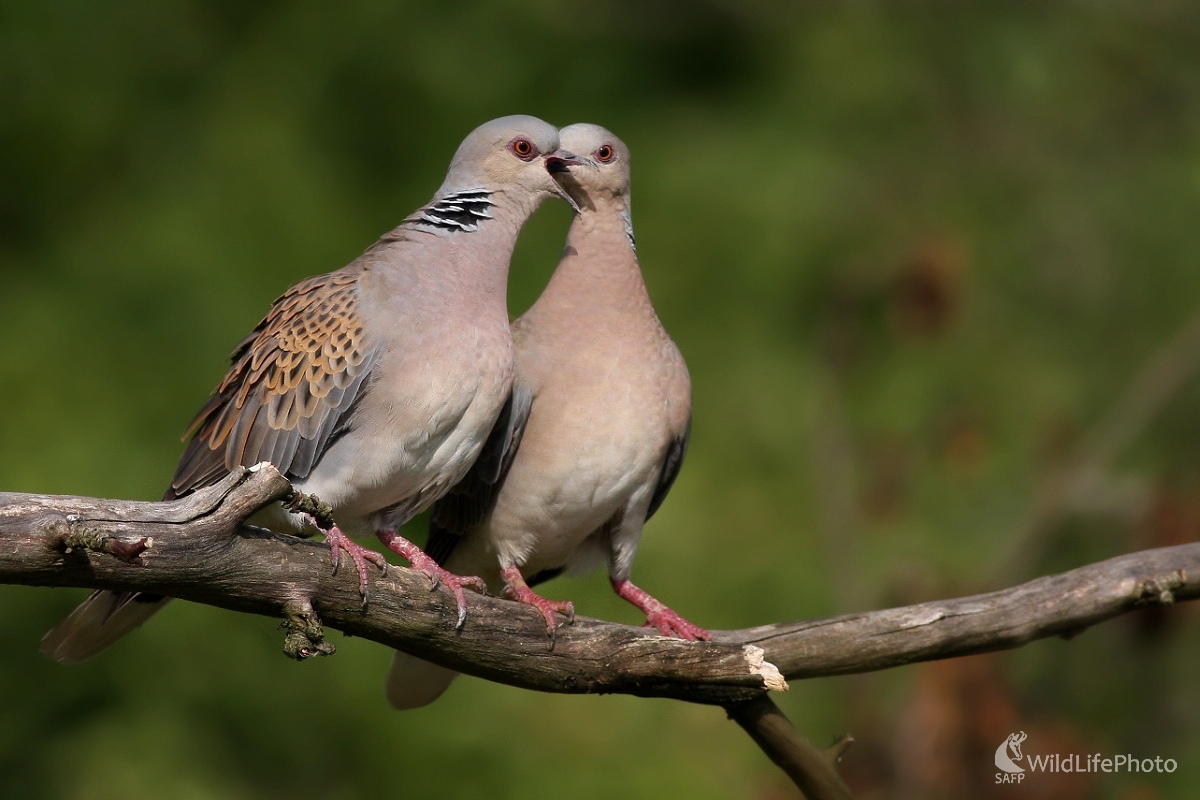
{"points": [[1056, 605], [193, 549], [814, 772], [197, 549], [188, 549]]}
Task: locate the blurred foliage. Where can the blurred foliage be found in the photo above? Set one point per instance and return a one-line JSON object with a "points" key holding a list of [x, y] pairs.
{"points": [[915, 254]]}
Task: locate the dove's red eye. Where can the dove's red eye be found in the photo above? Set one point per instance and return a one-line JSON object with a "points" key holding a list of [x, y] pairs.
{"points": [[522, 148], [605, 153]]}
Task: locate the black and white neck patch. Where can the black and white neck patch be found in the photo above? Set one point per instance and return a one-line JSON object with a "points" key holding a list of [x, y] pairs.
{"points": [[460, 211]]}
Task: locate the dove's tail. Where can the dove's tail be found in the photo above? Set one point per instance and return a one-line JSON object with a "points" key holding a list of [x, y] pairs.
{"points": [[413, 682], [97, 623]]}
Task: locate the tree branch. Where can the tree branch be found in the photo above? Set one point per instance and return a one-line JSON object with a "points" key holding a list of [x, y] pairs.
{"points": [[1056, 605], [197, 549], [814, 772], [191, 549]]}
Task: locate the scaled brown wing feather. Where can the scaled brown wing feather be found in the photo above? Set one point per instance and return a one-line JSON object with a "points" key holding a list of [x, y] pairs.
{"points": [[290, 390]]}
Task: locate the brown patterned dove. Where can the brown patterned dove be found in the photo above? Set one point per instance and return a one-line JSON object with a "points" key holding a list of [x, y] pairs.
{"points": [[373, 387], [606, 402]]}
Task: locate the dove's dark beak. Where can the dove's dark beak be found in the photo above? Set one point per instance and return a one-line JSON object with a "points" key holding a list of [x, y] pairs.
{"points": [[560, 160], [558, 165]]}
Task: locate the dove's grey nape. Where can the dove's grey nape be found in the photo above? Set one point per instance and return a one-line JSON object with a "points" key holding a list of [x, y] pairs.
{"points": [[373, 387], [595, 434]]}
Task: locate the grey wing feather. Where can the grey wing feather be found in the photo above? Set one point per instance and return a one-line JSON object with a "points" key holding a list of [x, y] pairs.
{"points": [[470, 500], [670, 469]]}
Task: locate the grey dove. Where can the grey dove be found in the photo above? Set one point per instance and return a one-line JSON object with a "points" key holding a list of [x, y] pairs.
{"points": [[375, 386], [601, 415]]}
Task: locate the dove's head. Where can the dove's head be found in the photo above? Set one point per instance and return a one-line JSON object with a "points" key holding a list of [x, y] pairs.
{"points": [[514, 156], [605, 168]]}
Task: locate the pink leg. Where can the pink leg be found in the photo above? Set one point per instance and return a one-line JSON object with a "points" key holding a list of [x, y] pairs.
{"points": [[423, 563], [517, 589], [658, 615], [360, 555]]}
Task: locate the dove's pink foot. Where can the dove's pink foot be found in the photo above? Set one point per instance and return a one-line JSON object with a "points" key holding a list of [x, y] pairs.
{"points": [[339, 542], [421, 562], [517, 589], [658, 615]]}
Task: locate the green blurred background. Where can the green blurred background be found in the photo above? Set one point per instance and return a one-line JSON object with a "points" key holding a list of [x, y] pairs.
{"points": [[929, 263]]}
